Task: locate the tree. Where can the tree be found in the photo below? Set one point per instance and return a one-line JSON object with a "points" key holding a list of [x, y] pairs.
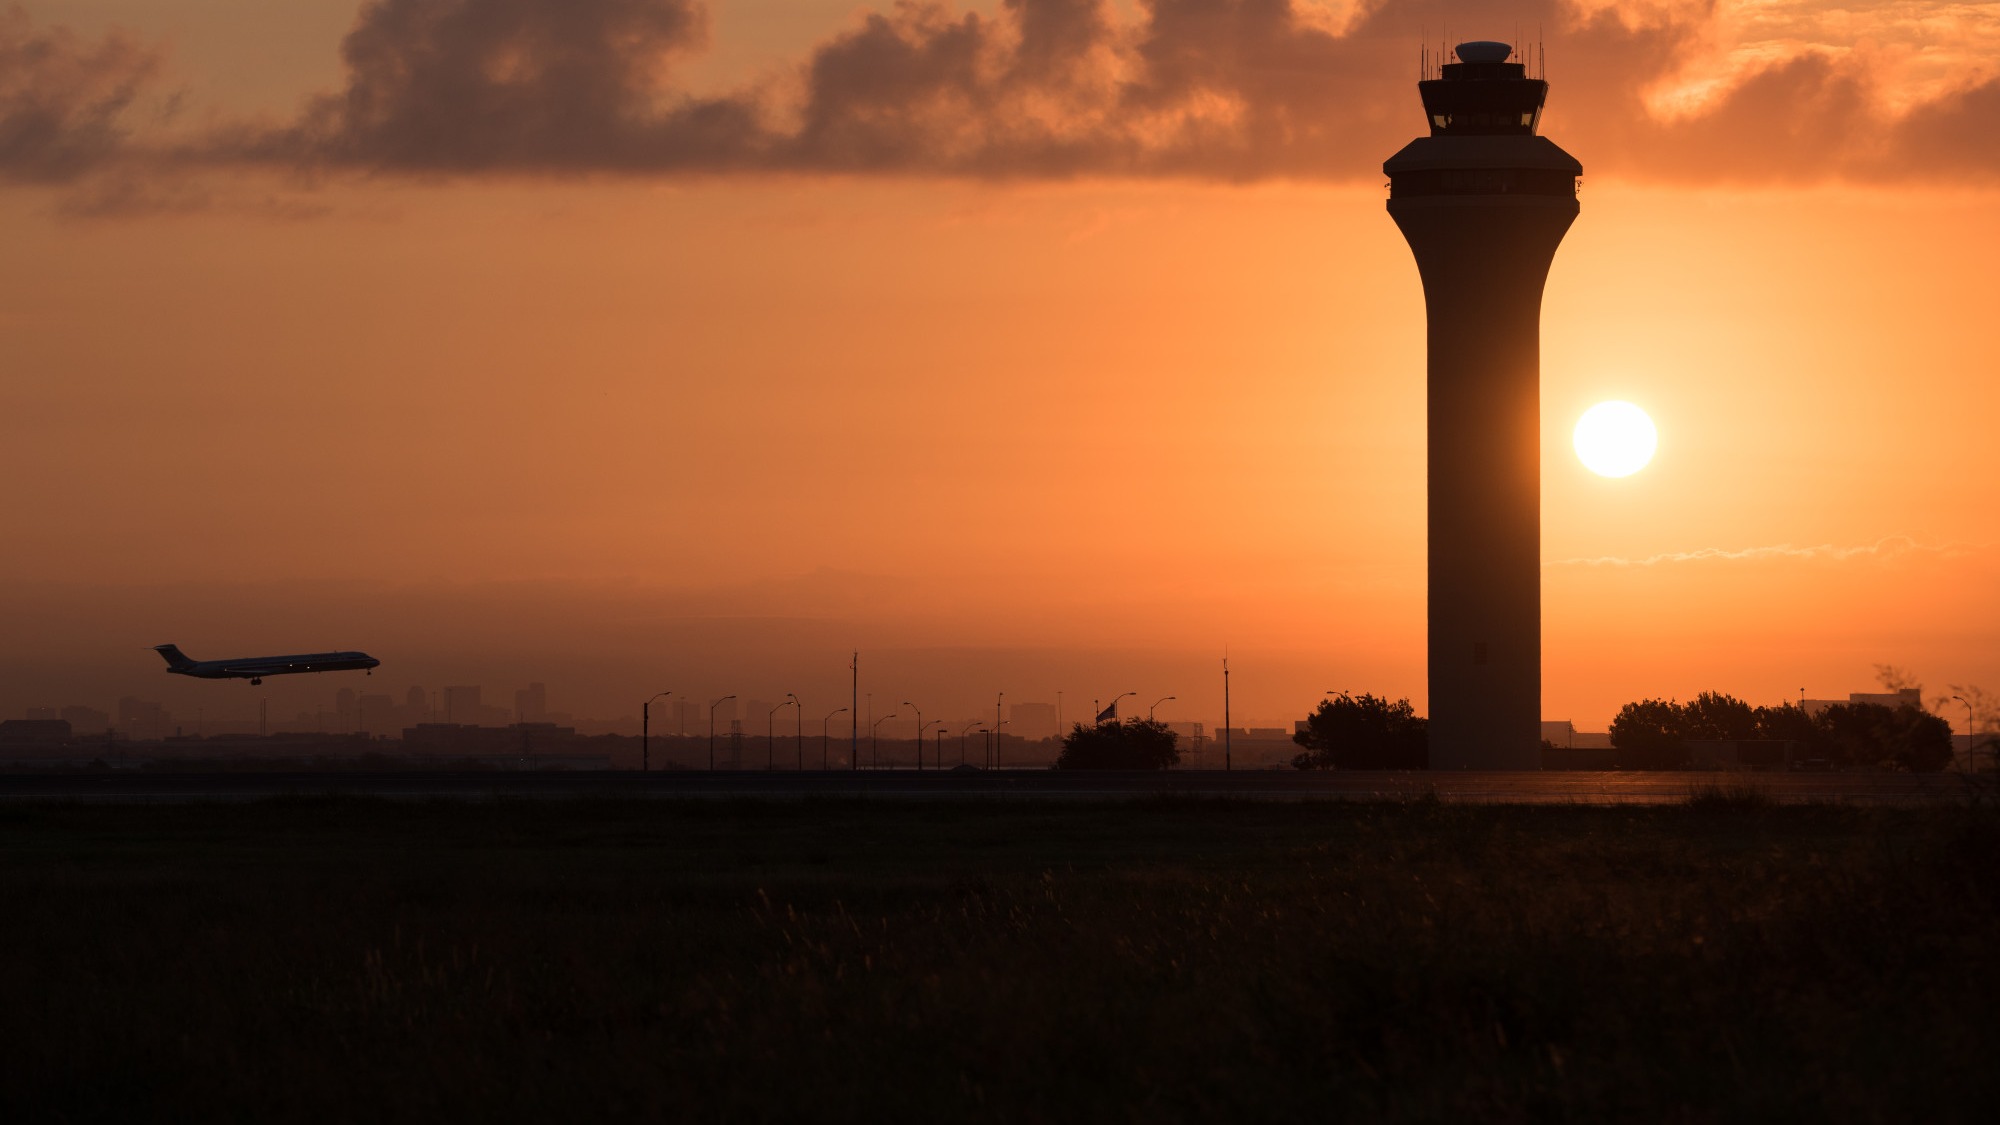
{"points": [[1895, 679], [1651, 734], [1869, 734], [1916, 739], [1787, 723], [1716, 717], [1135, 744], [1369, 733], [1848, 734]]}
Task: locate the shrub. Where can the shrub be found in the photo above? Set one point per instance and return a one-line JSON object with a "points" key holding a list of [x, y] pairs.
{"points": [[1369, 733], [1135, 744]]}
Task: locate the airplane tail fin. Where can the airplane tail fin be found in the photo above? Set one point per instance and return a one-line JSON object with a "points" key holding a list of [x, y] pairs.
{"points": [[174, 657]]}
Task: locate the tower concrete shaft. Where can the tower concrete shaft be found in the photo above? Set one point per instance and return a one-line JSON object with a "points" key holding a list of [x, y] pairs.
{"points": [[1483, 202]]}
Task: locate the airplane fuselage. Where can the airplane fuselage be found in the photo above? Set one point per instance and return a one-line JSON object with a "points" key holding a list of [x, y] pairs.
{"points": [[255, 668]]}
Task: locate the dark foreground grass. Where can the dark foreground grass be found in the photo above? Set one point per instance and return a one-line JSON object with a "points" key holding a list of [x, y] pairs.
{"points": [[363, 960]]}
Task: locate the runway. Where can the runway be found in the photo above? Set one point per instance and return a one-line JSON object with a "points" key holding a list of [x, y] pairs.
{"points": [[1533, 788]]}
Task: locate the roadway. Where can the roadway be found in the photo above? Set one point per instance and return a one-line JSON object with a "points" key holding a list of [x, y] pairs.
{"points": [[1545, 787]]}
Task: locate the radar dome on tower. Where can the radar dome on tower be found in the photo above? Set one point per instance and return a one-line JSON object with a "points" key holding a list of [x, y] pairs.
{"points": [[1483, 51]]}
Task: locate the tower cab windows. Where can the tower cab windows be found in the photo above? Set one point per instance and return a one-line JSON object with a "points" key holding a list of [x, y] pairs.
{"points": [[1483, 94], [1499, 122]]}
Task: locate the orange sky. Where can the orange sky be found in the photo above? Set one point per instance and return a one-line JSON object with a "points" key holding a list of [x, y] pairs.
{"points": [[1017, 383]]}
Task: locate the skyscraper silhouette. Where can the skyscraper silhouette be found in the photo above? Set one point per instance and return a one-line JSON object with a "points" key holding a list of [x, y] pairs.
{"points": [[1483, 202]]}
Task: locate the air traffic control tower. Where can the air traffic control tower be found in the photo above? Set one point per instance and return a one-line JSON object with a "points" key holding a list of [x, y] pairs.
{"points": [[1483, 202]]}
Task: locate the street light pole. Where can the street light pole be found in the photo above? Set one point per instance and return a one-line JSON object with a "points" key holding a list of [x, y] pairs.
{"points": [[1113, 707], [771, 736], [961, 742], [799, 728], [646, 733], [875, 741], [711, 729], [1156, 703], [1226, 763], [920, 732], [823, 736]]}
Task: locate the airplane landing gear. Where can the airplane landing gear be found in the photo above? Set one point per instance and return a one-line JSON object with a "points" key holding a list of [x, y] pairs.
{"points": [[256, 680]]}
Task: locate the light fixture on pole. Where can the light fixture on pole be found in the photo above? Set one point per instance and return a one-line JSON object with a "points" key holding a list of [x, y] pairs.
{"points": [[1112, 707], [711, 729], [823, 736], [799, 727], [771, 736], [875, 740], [920, 731], [1156, 703], [646, 733], [961, 742]]}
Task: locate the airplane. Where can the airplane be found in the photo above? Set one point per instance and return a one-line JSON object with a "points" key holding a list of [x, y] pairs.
{"points": [[255, 668]]}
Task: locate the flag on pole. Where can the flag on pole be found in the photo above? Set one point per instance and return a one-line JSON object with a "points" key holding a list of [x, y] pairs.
{"points": [[1109, 714]]}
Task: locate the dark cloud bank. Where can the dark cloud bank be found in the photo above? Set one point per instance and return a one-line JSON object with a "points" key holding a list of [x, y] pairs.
{"points": [[63, 100], [1206, 89]]}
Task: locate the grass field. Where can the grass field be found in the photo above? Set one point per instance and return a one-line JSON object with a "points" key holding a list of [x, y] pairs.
{"points": [[360, 960]]}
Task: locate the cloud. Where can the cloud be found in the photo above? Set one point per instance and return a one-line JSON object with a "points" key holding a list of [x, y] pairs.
{"points": [[65, 101], [1953, 137], [1891, 547], [1044, 88], [1207, 89], [516, 85]]}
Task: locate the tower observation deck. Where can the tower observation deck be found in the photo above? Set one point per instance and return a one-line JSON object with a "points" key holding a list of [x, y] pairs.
{"points": [[1483, 202]]}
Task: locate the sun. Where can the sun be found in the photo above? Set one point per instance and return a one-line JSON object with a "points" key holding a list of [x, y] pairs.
{"points": [[1615, 439]]}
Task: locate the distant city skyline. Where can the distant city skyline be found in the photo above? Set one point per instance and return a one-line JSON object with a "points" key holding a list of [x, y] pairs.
{"points": [[378, 712]]}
